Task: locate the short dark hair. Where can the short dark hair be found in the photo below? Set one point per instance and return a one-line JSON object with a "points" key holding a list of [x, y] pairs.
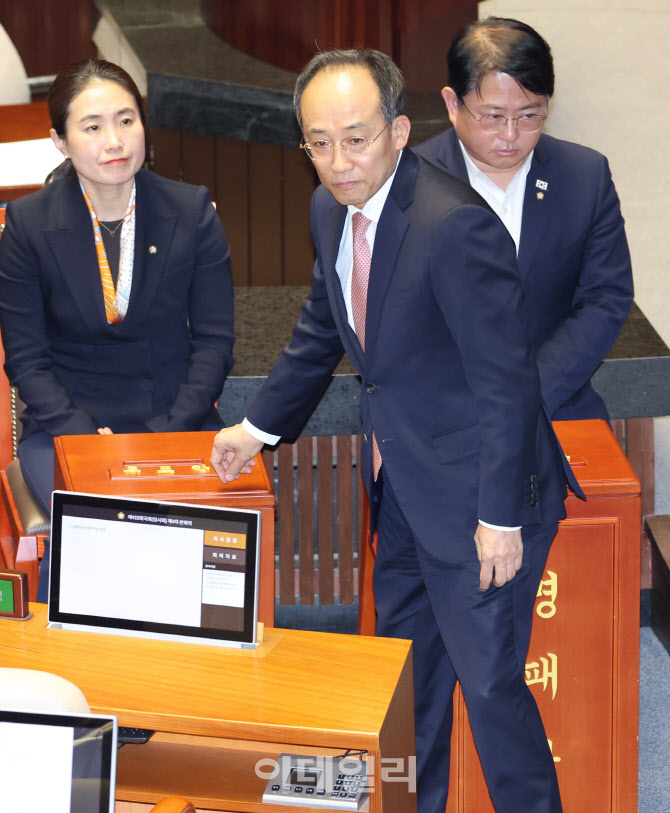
{"points": [[386, 74], [500, 45], [76, 77]]}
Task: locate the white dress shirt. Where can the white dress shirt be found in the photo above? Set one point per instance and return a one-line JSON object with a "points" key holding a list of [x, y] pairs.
{"points": [[507, 204]]}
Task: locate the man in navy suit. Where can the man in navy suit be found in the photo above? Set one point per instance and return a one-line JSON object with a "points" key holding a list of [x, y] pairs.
{"points": [[557, 200], [472, 481]]}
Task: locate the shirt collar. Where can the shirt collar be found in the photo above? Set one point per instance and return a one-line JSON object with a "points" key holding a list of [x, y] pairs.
{"points": [[373, 208], [475, 174]]}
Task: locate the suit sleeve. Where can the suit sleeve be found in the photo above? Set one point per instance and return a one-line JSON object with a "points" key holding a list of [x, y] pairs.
{"points": [[477, 286], [24, 334], [600, 305], [304, 368], [210, 317]]}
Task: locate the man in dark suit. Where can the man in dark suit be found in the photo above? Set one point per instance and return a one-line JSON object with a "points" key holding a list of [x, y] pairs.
{"points": [[556, 198], [457, 452]]}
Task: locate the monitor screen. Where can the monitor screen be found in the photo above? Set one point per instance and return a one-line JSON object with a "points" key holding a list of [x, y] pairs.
{"points": [[61, 763], [154, 568]]}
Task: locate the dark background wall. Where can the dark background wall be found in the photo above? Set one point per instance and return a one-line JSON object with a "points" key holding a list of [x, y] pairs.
{"points": [[49, 35], [415, 32]]}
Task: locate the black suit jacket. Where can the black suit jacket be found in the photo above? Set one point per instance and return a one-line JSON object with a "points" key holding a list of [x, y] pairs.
{"points": [[574, 264], [163, 366], [449, 384]]}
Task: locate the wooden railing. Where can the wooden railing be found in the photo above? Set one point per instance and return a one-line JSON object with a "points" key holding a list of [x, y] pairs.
{"points": [[319, 496]]}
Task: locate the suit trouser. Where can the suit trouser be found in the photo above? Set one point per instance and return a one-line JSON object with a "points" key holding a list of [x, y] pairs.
{"points": [[37, 466], [479, 638]]}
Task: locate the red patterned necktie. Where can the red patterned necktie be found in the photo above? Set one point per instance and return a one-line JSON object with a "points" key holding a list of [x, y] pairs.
{"points": [[359, 298]]}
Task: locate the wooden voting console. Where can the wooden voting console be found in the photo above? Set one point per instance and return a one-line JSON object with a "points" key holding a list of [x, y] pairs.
{"points": [[171, 466], [217, 712], [583, 661]]}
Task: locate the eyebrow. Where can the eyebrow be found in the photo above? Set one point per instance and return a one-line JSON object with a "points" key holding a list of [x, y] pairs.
{"points": [[529, 106], [92, 116], [355, 126]]}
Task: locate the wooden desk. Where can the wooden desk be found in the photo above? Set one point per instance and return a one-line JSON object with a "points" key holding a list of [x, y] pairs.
{"points": [[218, 711], [23, 122], [95, 464]]}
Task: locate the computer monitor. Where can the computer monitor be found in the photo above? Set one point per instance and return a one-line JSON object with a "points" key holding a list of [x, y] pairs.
{"points": [[154, 569], [60, 763]]}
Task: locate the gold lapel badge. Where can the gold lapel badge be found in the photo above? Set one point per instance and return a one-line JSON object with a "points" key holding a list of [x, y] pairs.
{"points": [[153, 250], [540, 195]]}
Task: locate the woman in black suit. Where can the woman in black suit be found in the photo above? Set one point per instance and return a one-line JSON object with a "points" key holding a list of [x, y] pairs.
{"points": [[116, 297]]}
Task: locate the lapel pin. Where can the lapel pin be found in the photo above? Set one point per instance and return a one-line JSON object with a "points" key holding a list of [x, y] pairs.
{"points": [[153, 250], [540, 195], [541, 184]]}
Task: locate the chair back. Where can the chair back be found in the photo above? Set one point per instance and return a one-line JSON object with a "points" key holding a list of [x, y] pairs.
{"points": [[31, 689]]}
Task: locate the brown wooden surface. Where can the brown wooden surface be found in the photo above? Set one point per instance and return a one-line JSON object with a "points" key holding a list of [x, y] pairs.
{"points": [[24, 122], [265, 213], [658, 530], [94, 463], [423, 32], [294, 693], [345, 519], [262, 193], [325, 520], [48, 35], [583, 661], [306, 519], [172, 804], [232, 201], [199, 160], [286, 517], [324, 509], [298, 184], [288, 34], [416, 33], [640, 451]]}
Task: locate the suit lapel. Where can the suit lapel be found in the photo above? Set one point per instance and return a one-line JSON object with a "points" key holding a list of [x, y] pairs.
{"points": [[388, 240], [450, 157], [73, 245], [536, 210], [154, 229]]}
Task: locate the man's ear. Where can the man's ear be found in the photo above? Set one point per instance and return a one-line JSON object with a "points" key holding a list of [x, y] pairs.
{"points": [[400, 130], [59, 142], [451, 102]]}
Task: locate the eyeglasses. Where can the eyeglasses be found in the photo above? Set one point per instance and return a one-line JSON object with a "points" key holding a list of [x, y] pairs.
{"points": [[322, 147], [494, 123]]}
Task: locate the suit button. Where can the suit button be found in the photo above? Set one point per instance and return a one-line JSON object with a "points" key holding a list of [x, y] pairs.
{"points": [[370, 389]]}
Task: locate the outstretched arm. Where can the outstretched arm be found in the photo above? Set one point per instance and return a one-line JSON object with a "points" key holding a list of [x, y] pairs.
{"points": [[233, 452]]}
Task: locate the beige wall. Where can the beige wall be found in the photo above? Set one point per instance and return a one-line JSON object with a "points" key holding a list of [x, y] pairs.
{"points": [[612, 92]]}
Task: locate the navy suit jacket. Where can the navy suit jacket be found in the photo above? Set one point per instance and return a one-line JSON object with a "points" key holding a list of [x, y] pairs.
{"points": [[161, 368], [448, 381], [574, 264]]}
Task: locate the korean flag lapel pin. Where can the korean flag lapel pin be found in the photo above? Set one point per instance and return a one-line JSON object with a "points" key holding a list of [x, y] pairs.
{"points": [[542, 187]]}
